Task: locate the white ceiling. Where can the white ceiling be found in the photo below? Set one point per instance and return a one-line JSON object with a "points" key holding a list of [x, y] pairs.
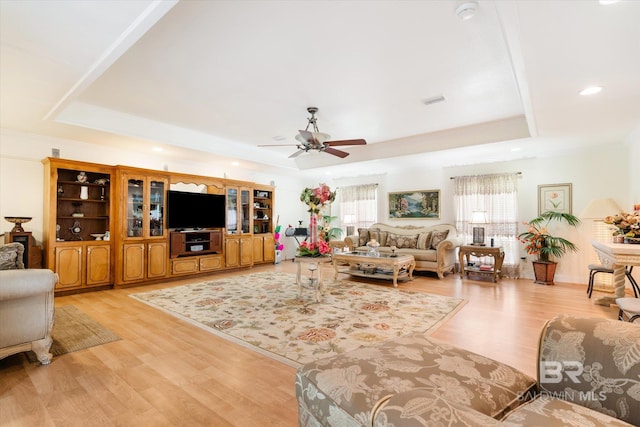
{"points": [[222, 77]]}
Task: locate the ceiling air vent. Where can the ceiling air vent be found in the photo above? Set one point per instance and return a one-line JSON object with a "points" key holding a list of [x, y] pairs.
{"points": [[433, 100]]}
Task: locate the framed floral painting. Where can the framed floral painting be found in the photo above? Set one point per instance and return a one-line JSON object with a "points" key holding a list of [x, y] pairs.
{"points": [[423, 204], [554, 197]]}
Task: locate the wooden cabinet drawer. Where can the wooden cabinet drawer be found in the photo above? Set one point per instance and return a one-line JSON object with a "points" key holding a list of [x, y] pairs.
{"points": [[213, 262], [184, 265]]}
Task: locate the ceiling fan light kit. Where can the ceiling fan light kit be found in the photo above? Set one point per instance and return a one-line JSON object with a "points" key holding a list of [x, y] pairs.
{"points": [[318, 141]]}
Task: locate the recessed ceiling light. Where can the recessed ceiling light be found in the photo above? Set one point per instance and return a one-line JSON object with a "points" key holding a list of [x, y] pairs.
{"points": [[235, 163], [607, 2], [279, 138], [591, 90], [157, 149], [514, 149], [466, 10]]}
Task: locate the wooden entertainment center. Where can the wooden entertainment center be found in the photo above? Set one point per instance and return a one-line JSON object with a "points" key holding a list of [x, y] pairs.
{"points": [[105, 226]]}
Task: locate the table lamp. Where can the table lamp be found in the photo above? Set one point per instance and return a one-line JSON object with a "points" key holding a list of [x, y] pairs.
{"points": [[478, 217]]}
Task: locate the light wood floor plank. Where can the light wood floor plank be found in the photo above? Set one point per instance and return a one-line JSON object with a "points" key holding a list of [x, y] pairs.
{"points": [[167, 372]]}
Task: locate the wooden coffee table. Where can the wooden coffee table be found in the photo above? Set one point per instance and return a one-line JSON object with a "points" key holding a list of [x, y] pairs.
{"points": [[384, 267]]}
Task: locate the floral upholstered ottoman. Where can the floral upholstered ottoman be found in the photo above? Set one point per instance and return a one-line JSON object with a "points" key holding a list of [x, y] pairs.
{"points": [[345, 390]]}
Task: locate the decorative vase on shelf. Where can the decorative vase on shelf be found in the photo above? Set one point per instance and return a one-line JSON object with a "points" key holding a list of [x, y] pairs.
{"points": [[84, 192]]}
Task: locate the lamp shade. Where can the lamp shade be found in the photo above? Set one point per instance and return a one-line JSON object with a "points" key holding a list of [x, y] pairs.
{"points": [[479, 217], [600, 208]]}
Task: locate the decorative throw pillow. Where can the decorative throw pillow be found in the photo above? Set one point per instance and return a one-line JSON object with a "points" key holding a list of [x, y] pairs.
{"points": [[424, 240], [437, 237], [408, 242], [11, 256], [383, 238], [392, 239], [374, 233], [363, 236]]}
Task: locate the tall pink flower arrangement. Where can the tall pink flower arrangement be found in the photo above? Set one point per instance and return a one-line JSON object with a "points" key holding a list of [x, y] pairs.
{"points": [[315, 199]]}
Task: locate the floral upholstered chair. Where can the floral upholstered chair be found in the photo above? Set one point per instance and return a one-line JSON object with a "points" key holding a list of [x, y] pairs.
{"points": [[589, 376]]}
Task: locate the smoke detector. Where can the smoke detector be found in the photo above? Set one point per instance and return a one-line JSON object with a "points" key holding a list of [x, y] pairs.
{"points": [[466, 10]]}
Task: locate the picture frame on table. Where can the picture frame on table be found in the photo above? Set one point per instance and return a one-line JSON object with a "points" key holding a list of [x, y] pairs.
{"points": [[420, 204], [555, 198]]}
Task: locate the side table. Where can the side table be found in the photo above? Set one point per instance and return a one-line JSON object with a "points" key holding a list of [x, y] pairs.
{"points": [[466, 251]]}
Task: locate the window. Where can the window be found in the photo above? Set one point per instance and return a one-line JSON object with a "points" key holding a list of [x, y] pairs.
{"points": [[497, 196], [358, 206]]}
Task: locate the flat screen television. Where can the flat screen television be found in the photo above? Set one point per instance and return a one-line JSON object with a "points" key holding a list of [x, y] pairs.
{"points": [[195, 210]]}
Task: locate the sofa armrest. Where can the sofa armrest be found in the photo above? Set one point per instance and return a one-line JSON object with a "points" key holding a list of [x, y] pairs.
{"points": [[592, 362], [16, 284], [446, 250], [352, 242], [421, 408]]}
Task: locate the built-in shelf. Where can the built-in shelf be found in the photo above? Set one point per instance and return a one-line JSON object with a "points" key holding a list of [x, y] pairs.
{"points": [[197, 242]]}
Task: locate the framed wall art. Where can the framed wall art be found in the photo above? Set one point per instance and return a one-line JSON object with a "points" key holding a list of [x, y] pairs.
{"points": [[554, 197], [423, 204]]}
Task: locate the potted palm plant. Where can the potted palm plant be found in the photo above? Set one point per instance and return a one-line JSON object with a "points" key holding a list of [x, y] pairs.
{"points": [[546, 247]]}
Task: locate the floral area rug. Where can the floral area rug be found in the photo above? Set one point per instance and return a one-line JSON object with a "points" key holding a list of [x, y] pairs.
{"points": [[263, 312]]}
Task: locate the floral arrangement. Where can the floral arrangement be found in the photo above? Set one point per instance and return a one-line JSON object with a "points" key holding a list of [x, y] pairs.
{"points": [[627, 224], [317, 197], [539, 242], [314, 249]]}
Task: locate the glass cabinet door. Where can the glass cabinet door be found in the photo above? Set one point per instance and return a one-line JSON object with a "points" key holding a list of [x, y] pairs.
{"points": [[245, 199], [135, 207], [232, 210], [156, 208]]}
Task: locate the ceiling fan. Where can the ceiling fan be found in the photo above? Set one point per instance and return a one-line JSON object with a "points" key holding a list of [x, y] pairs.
{"points": [[316, 140]]}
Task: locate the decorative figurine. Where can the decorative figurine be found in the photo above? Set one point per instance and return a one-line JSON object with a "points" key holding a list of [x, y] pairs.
{"points": [[76, 230], [82, 177]]}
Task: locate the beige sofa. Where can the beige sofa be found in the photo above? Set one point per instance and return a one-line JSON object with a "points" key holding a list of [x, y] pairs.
{"points": [[433, 247], [26, 306], [589, 375]]}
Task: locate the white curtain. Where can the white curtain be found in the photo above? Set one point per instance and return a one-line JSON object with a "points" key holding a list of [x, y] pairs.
{"points": [[358, 205], [495, 194]]}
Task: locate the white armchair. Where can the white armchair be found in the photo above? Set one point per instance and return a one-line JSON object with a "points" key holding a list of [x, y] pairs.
{"points": [[26, 310]]}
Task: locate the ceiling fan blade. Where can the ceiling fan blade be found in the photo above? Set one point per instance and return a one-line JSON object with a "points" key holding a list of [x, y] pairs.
{"points": [[346, 142], [339, 153], [296, 154]]}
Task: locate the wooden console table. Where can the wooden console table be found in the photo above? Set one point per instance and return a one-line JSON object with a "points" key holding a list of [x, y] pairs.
{"points": [[616, 256], [466, 251]]}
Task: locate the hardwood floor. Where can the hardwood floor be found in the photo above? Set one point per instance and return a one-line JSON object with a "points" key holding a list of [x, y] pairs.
{"points": [[167, 372]]}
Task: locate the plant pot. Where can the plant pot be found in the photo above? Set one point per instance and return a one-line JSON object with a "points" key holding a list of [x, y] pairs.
{"points": [[544, 272]]}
